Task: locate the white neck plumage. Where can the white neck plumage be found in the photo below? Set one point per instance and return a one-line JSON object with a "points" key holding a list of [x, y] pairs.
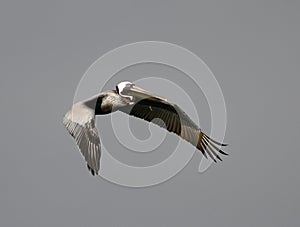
{"points": [[120, 88]]}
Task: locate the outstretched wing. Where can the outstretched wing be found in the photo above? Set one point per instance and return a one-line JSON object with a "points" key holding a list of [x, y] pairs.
{"points": [[80, 122], [174, 119]]}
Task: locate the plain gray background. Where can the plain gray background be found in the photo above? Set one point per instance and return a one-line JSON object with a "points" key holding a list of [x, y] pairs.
{"points": [[252, 47]]}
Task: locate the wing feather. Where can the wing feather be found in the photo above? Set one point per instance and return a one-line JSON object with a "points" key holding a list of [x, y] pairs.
{"points": [[176, 121], [80, 123]]}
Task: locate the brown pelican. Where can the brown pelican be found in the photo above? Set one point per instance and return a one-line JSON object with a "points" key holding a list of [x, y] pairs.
{"points": [[135, 101]]}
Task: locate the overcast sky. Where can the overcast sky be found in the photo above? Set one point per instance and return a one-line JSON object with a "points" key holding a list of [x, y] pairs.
{"points": [[252, 47]]}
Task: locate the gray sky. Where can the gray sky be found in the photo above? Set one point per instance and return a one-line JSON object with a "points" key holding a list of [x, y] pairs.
{"points": [[252, 47]]}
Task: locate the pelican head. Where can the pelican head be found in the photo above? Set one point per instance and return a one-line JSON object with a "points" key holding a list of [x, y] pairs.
{"points": [[123, 87], [129, 90]]}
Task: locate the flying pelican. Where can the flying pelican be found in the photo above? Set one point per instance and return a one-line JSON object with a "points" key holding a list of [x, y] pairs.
{"points": [[135, 101]]}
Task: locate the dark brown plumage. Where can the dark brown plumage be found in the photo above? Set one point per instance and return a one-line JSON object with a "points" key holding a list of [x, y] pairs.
{"points": [[80, 121]]}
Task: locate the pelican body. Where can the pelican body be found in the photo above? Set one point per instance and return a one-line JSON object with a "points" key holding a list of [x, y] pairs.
{"points": [[137, 102]]}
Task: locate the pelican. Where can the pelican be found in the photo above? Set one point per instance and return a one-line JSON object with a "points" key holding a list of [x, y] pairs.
{"points": [[135, 101]]}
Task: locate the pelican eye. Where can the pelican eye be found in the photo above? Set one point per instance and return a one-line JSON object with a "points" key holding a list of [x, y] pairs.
{"points": [[127, 88]]}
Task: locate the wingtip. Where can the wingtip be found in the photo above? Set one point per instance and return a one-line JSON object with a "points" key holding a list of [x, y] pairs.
{"points": [[218, 157], [214, 141], [222, 152], [93, 172]]}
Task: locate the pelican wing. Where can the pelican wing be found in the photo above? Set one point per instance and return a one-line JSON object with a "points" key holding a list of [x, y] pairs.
{"points": [[80, 122], [174, 119]]}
